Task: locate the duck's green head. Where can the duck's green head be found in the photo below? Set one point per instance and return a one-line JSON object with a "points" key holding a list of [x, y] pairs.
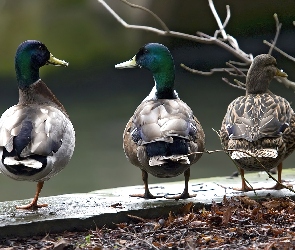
{"points": [[156, 58], [30, 56], [262, 70]]}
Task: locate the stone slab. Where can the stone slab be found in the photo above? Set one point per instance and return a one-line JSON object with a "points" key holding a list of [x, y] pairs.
{"points": [[107, 207]]}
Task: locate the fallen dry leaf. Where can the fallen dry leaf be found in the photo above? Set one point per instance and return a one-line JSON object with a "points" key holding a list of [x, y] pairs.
{"points": [[238, 223], [186, 208], [248, 201], [226, 216], [271, 204]]}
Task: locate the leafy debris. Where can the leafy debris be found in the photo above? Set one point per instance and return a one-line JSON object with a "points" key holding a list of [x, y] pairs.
{"points": [[237, 223]]}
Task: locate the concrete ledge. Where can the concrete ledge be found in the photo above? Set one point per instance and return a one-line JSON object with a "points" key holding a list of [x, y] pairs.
{"points": [[106, 207]]}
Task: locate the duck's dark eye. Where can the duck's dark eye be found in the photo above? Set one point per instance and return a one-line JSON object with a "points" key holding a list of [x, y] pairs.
{"points": [[141, 52], [271, 64]]}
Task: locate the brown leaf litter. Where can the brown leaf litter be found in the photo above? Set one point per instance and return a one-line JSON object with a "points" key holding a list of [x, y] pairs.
{"points": [[238, 223]]}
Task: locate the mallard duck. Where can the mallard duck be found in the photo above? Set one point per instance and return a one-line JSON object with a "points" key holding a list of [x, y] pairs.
{"points": [[163, 134], [37, 138], [258, 130]]}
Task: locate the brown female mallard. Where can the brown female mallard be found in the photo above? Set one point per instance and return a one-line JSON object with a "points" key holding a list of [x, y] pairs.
{"points": [[163, 130], [258, 130]]}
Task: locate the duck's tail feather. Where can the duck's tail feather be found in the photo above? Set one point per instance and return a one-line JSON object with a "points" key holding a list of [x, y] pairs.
{"points": [[160, 160], [31, 163], [260, 153]]}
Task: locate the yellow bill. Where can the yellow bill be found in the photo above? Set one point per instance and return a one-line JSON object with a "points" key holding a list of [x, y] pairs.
{"points": [[128, 64], [57, 62], [281, 73]]}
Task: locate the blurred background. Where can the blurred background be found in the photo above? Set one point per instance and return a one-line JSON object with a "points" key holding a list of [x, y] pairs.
{"points": [[100, 99]]}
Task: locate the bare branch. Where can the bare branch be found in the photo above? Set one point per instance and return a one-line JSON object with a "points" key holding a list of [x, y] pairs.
{"points": [[227, 16], [278, 29], [227, 42], [195, 71], [286, 82], [243, 85], [232, 74], [231, 84], [214, 12], [238, 63], [120, 20], [166, 32], [236, 69], [164, 26], [211, 72], [238, 53], [280, 51], [155, 30], [225, 22]]}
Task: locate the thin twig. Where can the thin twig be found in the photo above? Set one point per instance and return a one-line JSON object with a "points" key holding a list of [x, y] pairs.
{"points": [[264, 168], [166, 32], [228, 15], [278, 29], [239, 70], [256, 158], [231, 84], [207, 73], [152, 29], [136, 217], [232, 74], [240, 63], [243, 85], [230, 44], [286, 82], [238, 53], [214, 12], [164, 26], [280, 51], [236, 165], [134, 235]]}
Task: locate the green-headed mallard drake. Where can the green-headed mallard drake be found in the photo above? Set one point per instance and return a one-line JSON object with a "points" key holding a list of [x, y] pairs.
{"points": [[163, 132], [37, 138], [259, 128]]}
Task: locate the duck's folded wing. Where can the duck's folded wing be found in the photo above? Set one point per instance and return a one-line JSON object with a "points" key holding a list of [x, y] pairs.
{"points": [[257, 116], [160, 120], [32, 130]]}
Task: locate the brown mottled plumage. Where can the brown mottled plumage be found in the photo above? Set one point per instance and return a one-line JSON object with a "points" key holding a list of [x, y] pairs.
{"points": [[258, 130], [162, 135]]}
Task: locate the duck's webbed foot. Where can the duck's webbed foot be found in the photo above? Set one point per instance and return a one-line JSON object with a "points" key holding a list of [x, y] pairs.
{"points": [[279, 186], [34, 204], [245, 187], [147, 194], [185, 194]]}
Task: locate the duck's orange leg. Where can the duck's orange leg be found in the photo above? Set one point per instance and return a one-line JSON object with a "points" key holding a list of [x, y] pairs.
{"points": [[278, 185], [33, 204], [147, 194], [185, 194], [245, 187]]}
